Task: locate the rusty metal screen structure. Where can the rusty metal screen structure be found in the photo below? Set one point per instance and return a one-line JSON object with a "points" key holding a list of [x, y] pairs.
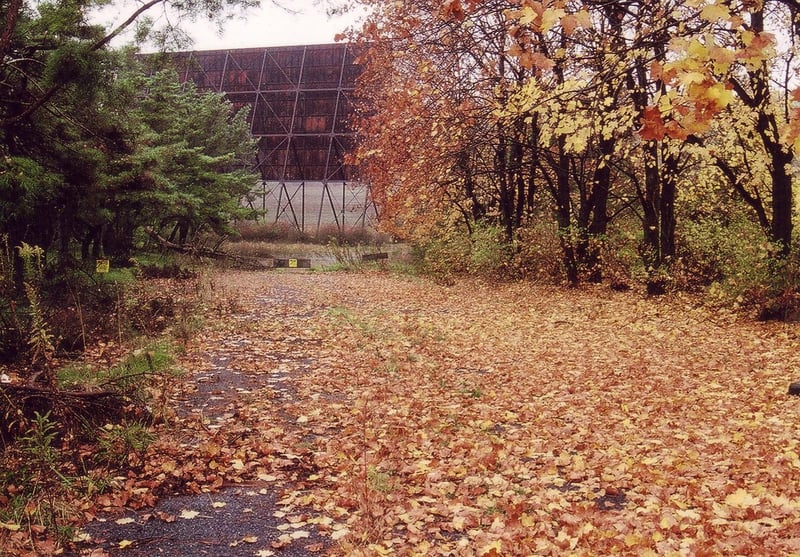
{"points": [[300, 105]]}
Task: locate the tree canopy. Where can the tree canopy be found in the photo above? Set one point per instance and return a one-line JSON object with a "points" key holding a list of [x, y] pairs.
{"points": [[589, 115], [92, 150]]}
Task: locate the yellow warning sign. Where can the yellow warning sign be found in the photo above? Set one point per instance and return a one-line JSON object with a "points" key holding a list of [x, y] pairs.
{"points": [[293, 263], [102, 266]]}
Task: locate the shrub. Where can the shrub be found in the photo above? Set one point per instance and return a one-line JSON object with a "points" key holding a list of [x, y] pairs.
{"points": [[723, 253], [489, 252], [269, 232], [159, 265], [453, 252], [538, 252], [281, 232], [443, 257], [347, 256], [351, 236], [734, 264]]}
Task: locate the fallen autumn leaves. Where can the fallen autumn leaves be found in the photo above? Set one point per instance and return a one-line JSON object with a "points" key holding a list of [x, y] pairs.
{"points": [[402, 417]]}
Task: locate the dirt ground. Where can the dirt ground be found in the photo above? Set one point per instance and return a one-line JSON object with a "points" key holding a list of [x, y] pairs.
{"points": [[370, 414]]}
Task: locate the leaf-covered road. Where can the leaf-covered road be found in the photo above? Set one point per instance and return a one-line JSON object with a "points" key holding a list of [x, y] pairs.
{"points": [[395, 416]]}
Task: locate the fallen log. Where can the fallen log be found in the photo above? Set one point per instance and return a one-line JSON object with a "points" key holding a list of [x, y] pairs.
{"points": [[72, 409], [211, 253]]}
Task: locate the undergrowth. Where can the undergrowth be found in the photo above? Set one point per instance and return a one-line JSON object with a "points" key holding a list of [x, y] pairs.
{"points": [[70, 453], [63, 441]]}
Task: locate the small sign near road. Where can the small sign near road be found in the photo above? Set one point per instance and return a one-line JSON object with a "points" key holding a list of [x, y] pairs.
{"points": [[292, 263]]}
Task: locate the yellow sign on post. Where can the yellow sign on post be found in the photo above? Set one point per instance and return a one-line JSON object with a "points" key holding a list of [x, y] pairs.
{"points": [[102, 266], [293, 263]]}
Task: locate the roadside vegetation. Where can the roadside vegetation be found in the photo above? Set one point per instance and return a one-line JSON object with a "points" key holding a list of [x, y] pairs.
{"points": [[627, 142], [88, 362]]}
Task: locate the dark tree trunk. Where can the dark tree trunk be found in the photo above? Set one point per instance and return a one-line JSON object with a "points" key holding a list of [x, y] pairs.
{"points": [[598, 226], [657, 198], [780, 156], [650, 200], [9, 26], [668, 175], [476, 209], [564, 216], [781, 202], [519, 179], [506, 190]]}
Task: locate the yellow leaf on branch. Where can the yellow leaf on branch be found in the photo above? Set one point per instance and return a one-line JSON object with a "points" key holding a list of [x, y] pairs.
{"points": [[550, 18], [720, 95], [688, 78], [715, 12]]}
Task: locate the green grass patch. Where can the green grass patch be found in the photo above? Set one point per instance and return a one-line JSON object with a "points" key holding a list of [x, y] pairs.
{"points": [[155, 358]]}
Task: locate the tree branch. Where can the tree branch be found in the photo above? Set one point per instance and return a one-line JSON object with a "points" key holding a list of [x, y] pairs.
{"points": [[124, 25], [202, 252], [56, 87], [14, 7]]}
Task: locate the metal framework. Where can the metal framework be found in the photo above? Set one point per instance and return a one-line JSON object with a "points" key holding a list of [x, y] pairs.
{"points": [[300, 102]]}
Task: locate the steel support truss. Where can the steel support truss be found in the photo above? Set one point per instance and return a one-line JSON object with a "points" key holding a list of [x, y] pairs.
{"points": [[315, 207], [300, 108]]}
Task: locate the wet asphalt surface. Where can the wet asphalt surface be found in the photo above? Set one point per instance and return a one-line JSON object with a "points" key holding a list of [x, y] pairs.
{"points": [[236, 521]]}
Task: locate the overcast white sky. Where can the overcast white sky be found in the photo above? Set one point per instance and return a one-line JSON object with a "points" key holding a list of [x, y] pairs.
{"points": [[272, 26], [267, 26]]}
